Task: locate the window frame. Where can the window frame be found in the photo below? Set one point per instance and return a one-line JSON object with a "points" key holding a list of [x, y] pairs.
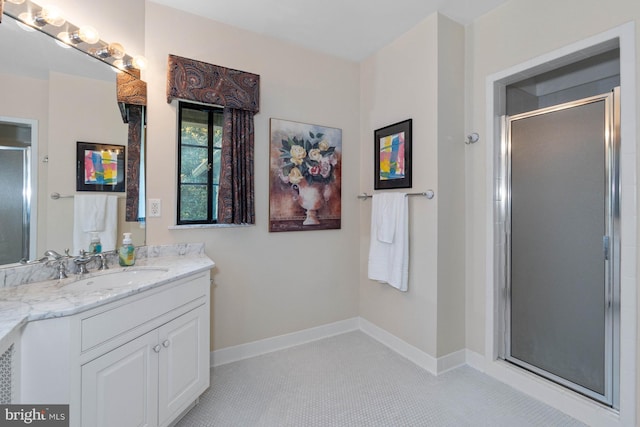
{"points": [[211, 110]]}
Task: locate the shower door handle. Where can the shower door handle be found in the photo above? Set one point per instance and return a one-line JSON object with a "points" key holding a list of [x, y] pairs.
{"points": [[605, 247]]}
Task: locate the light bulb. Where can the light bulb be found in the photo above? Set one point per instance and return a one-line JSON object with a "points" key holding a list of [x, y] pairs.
{"points": [[139, 62], [116, 50], [119, 64], [50, 15], [88, 34]]}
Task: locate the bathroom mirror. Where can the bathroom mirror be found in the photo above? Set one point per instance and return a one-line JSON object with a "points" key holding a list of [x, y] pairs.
{"points": [[52, 98]]}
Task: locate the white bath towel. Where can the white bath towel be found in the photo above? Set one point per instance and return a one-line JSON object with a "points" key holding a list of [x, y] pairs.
{"points": [[389, 245], [94, 213]]}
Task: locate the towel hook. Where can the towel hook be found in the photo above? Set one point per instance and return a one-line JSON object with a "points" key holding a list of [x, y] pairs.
{"points": [[472, 138]]}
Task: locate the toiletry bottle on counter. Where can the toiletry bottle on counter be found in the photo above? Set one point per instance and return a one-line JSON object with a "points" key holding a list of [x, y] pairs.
{"points": [[127, 252], [95, 247]]}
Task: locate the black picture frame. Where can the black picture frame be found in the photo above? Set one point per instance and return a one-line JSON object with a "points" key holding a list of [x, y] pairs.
{"points": [[386, 176], [93, 160]]}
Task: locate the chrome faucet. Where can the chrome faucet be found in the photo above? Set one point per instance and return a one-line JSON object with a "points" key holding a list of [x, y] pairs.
{"points": [[84, 258], [54, 258], [102, 258], [81, 262]]}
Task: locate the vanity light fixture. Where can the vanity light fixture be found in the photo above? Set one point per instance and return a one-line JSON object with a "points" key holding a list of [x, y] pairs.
{"points": [[49, 20]]}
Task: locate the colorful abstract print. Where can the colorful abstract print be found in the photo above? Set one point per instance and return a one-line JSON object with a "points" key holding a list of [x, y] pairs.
{"points": [[392, 157], [100, 167]]}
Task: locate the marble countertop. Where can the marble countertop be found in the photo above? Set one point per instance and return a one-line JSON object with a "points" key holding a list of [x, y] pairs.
{"points": [[57, 298]]}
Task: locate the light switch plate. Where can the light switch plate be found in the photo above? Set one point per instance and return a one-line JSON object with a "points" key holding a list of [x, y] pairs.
{"points": [[155, 208]]}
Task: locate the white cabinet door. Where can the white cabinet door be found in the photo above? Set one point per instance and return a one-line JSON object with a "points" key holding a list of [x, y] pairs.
{"points": [[120, 388], [184, 362]]}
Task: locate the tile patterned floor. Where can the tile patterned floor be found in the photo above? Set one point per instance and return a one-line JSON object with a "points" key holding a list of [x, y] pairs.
{"points": [[353, 380]]}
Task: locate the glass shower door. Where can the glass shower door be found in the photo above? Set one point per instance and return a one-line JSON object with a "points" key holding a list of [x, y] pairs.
{"points": [[14, 204], [562, 169]]}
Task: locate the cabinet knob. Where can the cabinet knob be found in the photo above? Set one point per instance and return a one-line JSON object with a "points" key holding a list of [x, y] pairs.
{"points": [[166, 343], [157, 348]]}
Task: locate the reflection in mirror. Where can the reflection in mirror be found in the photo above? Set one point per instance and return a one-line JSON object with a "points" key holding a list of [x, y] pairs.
{"points": [[52, 98]]}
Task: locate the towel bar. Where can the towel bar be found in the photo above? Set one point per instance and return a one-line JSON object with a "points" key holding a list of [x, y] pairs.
{"points": [[56, 196], [429, 194]]}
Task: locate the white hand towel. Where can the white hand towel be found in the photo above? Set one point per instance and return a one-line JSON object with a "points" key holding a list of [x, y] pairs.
{"points": [[385, 218], [94, 213], [389, 260]]}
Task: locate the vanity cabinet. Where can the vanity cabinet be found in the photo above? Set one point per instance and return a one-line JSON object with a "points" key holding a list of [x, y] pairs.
{"points": [[140, 361]]}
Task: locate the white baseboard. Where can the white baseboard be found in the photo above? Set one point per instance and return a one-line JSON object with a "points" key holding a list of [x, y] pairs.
{"points": [[452, 361], [417, 356], [267, 345], [475, 360]]}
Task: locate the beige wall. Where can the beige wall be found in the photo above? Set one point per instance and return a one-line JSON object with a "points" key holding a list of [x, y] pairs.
{"points": [[266, 284]]}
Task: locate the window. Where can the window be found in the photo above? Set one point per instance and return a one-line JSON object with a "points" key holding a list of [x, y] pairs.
{"points": [[200, 144]]}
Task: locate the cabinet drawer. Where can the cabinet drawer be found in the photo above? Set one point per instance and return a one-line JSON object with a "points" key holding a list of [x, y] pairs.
{"points": [[119, 318]]}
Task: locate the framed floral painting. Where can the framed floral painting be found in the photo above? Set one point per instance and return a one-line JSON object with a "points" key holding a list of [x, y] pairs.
{"points": [[392, 165], [305, 176]]}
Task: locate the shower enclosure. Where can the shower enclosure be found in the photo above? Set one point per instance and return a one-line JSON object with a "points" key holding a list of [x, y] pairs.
{"points": [[15, 192]]}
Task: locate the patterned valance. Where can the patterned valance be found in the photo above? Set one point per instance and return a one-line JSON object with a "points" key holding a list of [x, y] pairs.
{"points": [[131, 90], [193, 80]]}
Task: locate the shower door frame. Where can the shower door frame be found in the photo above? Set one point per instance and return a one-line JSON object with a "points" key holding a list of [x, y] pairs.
{"points": [[611, 248]]}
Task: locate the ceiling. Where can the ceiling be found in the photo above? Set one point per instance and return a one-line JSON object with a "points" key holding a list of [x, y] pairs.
{"points": [[351, 29]]}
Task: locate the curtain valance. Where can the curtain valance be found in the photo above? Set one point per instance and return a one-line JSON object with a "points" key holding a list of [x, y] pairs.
{"points": [[198, 81]]}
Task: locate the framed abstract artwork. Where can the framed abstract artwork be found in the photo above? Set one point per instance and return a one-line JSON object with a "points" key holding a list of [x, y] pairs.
{"points": [[393, 156], [100, 167], [305, 176]]}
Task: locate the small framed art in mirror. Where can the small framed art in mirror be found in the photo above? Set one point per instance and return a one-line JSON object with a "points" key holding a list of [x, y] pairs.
{"points": [[393, 156], [100, 167]]}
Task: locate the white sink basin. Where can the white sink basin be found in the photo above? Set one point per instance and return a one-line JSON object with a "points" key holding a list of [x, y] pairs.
{"points": [[125, 276]]}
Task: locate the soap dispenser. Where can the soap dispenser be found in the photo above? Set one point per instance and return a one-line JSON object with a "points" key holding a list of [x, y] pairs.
{"points": [[127, 252], [95, 247]]}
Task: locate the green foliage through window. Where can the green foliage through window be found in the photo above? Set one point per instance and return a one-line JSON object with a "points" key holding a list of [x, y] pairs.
{"points": [[200, 144]]}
